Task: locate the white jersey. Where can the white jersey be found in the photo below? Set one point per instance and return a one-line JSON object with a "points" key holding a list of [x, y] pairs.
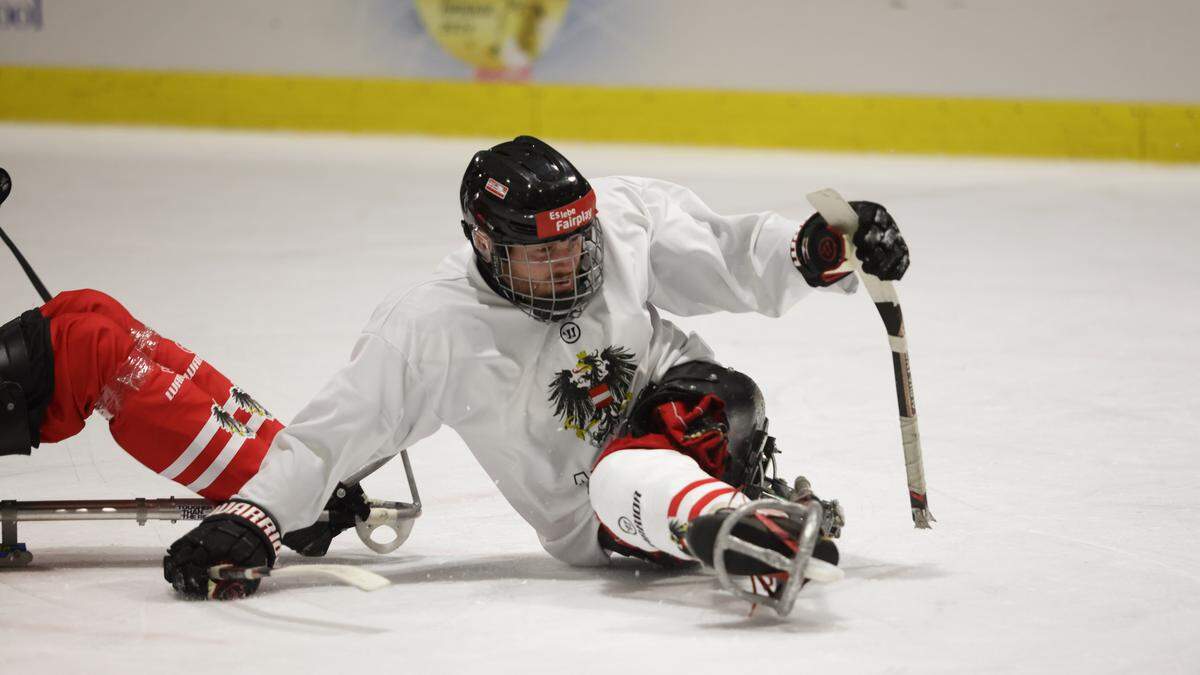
{"points": [[533, 401]]}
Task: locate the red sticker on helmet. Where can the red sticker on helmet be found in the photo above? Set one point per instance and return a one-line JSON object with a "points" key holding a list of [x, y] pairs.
{"points": [[568, 218], [496, 187]]}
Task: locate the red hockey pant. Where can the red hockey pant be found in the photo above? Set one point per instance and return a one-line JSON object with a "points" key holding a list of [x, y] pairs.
{"points": [[167, 407]]}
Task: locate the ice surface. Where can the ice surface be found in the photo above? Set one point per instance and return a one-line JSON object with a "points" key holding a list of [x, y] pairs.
{"points": [[1051, 310]]}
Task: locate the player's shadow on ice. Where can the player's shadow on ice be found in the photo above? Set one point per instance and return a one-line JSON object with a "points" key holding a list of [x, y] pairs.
{"points": [[815, 610], [415, 569], [870, 569], [634, 580], [698, 591], [688, 588]]}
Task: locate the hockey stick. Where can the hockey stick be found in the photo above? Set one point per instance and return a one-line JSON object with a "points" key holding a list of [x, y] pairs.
{"points": [[5, 188], [842, 218], [363, 580]]}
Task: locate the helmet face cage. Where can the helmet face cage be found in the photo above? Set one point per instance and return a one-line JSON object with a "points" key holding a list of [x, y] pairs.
{"points": [[554, 280]]}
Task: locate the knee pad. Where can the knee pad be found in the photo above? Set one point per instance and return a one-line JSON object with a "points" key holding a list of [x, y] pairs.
{"points": [[26, 381], [750, 448]]}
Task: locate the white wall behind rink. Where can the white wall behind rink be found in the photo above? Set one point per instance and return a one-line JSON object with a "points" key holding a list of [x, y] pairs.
{"points": [[1060, 49]]}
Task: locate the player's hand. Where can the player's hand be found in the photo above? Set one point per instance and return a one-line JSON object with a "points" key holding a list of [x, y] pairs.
{"points": [[237, 533], [879, 244], [346, 503], [818, 251]]}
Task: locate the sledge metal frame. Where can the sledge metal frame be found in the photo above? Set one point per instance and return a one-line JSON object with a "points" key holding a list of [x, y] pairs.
{"points": [[394, 515], [782, 600]]}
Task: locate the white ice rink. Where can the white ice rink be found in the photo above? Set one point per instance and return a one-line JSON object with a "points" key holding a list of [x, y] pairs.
{"points": [[1053, 322]]}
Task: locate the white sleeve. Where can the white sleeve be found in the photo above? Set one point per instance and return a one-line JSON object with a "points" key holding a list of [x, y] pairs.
{"points": [[374, 407], [703, 262]]}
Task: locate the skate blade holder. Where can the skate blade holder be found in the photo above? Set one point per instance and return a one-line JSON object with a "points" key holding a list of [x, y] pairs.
{"points": [[797, 568], [398, 517]]}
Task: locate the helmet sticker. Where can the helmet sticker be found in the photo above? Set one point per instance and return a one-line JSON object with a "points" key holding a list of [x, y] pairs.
{"points": [[569, 218], [496, 187]]}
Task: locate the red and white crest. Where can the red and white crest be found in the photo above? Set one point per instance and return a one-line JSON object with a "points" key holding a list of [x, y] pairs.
{"points": [[601, 396], [496, 187]]}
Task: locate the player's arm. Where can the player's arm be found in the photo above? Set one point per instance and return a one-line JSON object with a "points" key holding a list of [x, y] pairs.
{"points": [[375, 406], [702, 261]]}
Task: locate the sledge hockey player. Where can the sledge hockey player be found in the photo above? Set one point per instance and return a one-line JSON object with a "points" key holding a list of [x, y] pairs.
{"points": [[607, 428], [171, 410]]}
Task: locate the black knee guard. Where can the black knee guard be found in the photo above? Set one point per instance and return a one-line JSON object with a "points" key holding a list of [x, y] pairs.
{"points": [[26, 381], [751, 450]]}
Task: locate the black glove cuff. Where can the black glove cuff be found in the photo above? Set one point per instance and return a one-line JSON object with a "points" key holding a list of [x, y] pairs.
{"points": [[817, 250], [252, 513]]}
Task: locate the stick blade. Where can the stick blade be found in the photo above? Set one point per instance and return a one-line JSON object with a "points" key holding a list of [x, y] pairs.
{"points": [[362, 579]]}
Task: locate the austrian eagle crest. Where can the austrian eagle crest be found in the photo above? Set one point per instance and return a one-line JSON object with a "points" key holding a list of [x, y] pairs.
{"points": [[229, 423], [246, 402], [590, 397]]}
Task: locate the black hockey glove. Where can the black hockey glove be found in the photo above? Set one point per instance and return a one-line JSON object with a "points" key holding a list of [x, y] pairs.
{"points": [[237, 533], [346, 503], [817, 250]]}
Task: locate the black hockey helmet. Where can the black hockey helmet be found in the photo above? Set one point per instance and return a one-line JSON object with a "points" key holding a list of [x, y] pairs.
{"points": [[524, 193]]}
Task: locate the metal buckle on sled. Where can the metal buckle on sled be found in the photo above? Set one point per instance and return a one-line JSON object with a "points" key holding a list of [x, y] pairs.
{"points": [[797, 568]]}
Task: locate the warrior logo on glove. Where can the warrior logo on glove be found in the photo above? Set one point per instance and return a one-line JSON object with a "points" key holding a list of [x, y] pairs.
{"points": [[234, 533]]}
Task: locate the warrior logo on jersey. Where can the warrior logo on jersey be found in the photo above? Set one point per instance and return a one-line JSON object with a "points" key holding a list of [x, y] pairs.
{"points": [[590, 397], [228, 423], [246, 402]]}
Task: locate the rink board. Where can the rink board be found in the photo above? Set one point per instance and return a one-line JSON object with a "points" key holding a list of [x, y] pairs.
{"points": [[1160, 132]]}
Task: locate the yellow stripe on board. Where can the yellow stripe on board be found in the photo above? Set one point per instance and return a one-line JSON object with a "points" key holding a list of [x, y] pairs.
{"points": [[906, 124]]}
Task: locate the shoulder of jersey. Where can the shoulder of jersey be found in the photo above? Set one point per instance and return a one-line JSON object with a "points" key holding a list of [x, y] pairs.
{"points": [[430, 302], [619, 205]]}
